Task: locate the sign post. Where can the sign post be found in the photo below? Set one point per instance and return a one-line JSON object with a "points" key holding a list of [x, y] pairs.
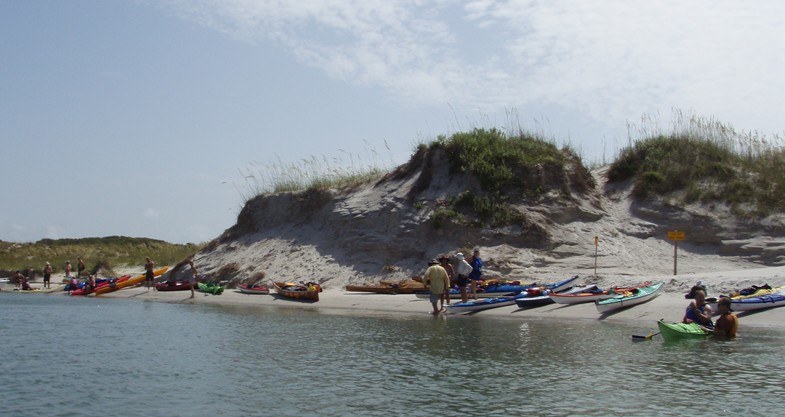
{"points": [[676, 236], [596, 249]]}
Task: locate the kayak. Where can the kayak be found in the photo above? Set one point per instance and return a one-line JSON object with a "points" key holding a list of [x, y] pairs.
{"points": [[82, 290], [253, 289], [173, 286], [592, 295], [628, 299], [210, 288], [298, 291], [479, 305], [758, 303], [584, 297], [677, 331], [545, 298], [456, 294], [129, 282]]}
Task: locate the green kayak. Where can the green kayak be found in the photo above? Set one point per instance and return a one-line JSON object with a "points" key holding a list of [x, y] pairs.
{"points": [[677, 331], [211, 288]]}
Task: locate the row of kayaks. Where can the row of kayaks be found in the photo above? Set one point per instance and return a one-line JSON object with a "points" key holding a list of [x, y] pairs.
{"points": [[127, 281], [564, 292]]}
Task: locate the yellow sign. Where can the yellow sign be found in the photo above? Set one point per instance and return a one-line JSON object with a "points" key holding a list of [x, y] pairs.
{"points": [[596, 241], [676, 235]]}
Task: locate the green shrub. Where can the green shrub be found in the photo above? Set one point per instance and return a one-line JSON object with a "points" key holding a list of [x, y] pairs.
{"points": [[707, 161]]}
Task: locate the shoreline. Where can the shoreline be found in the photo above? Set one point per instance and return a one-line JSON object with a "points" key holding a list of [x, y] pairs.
{"points": [[669, 305]]}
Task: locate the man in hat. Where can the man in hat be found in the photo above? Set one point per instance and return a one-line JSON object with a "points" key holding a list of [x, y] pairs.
{"points": [[727, 324], [463, 269], [698, 311], [437, 281]]}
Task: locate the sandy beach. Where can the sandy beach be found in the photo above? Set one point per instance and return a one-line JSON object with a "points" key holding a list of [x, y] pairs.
{"points": [[669, 305]]}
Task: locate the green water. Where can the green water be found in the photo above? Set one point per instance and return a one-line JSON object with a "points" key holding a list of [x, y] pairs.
{"points": [[121, 357]]}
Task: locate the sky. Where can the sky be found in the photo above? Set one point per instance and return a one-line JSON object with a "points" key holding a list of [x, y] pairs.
{"points": [[149, 118]]}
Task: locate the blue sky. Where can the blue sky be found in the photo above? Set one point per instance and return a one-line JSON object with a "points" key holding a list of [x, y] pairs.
{"points": [[138, 117]]}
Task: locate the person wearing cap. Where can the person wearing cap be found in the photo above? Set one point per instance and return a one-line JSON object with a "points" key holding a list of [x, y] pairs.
{"points": [[438, 283], [476, 274], [698, 311], [47, 275], [727, 324], [444, 261], [462, 270]]}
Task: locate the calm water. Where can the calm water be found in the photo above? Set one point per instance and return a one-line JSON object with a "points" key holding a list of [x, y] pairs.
{"points": [[132, 358]]}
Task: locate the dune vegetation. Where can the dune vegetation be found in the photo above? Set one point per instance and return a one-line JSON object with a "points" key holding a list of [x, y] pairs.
{"points": [[705, 161], [509, 169], [105, 252]]}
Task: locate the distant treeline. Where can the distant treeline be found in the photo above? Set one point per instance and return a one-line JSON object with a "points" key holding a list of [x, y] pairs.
{"points": [[98, 253]]}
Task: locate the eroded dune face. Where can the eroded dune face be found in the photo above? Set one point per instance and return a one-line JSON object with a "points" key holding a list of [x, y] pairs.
{"points": [[389, 228]]}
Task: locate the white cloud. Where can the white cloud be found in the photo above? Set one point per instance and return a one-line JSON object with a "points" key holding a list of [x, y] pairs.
{"points": [[612, 60]]}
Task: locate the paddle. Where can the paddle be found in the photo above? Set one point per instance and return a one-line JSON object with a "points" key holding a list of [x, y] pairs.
{"points": [[638, 337]]}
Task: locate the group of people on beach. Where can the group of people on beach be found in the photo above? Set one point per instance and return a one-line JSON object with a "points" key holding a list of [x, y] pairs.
{"points": [[441, 276], [700, 312]]}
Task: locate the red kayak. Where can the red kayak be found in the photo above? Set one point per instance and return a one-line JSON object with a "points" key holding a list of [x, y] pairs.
{"points": [[253, 289], [173, 286], [109, 283]]}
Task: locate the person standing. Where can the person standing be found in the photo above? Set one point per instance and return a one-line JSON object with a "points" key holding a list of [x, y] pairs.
{"points": [[80, 267], [68, 269], [476, 275], [149, 275], [47, 275], [437, 281], [444, 261], [463, 269], [194, 273]]}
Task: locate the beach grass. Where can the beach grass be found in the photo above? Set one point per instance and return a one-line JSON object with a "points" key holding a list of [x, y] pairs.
{"points": [[702, 160], [107, 252], [346, 171], [508, 167]]}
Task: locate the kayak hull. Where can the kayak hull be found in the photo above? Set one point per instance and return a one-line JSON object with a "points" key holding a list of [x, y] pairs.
{"points": [[679, 331], [479, 305], [253, 290], [758, 303], [307, 295], [640, 296]]}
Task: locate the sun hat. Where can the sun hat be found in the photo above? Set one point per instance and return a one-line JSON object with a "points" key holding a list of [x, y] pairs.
{"points": [[726, 302], [459, 256], [433, 262], [476, 250]]}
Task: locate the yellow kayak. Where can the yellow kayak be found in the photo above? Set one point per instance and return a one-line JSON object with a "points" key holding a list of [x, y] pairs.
{"points": [[130, 282]]}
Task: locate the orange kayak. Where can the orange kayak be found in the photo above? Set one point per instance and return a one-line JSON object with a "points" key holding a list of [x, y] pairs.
{"points": [[130, 282]]}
